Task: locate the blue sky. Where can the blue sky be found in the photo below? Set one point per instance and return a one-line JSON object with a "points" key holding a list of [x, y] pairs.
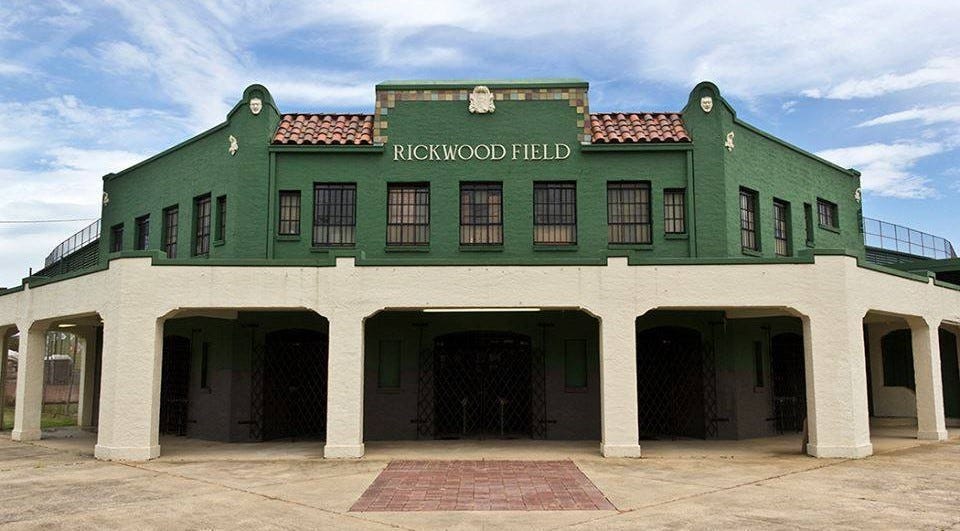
{"points": [[93, 87]]}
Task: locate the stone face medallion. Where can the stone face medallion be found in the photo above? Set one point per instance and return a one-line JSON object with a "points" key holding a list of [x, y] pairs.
{"points": [[481, 101]]}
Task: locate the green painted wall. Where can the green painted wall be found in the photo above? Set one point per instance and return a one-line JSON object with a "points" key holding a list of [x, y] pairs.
{"points": [[712, 175]]}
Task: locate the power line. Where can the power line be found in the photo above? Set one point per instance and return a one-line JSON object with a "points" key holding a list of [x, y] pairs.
{"points": [[12, 221]]}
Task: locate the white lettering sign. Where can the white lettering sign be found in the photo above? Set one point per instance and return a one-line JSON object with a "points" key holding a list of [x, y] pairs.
{"points": [[492, 152]]}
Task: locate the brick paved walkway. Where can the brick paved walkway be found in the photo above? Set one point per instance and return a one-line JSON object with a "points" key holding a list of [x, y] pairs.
{"points": [[482, 486]]}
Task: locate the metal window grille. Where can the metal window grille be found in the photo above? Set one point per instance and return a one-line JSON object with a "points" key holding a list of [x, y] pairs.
{"points": [[902, 239], [628, 212], [116, 238], [555, 213], [748, 220], [222, 218], [675, 211], [408, 214], [334, 214], [201, 209], [289, 213], [481, 214], [781, 228], [171, 224], [827, 212], [808, 221], [142, 233]]}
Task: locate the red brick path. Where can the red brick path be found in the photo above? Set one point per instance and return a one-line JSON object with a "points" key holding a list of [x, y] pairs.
{"points": [[482, 486]]}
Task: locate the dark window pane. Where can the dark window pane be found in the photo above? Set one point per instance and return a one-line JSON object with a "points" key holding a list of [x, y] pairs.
{"points": [[116, 238], [408, 214], [781, 228], [334, 214], [141, 235], [748, 220], [675, 211], [289, 213], [481, 214], [201, 209], [555, 213], [171, 224], [628, 212]]}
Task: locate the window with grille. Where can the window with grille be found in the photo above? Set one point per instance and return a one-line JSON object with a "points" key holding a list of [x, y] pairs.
{"points": [[555, 213], [628, 212], [827, 213], [408, 214], [141, 233], [116, 238], [808, 221], [289, 213], [781, 227], [171, 224], [748, 220], [201, 222], [221, 218], [675, 211], [334, 214], [481, 214]]}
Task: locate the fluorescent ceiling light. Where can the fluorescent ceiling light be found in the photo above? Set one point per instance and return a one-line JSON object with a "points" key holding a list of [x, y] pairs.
{"points": [[472, 310], [66, 325]]}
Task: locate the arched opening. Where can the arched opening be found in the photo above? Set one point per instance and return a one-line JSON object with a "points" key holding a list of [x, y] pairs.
{"points": [[950, 374], [175, 385], [9, 347], [670, 383], [292, 369], [789, 382]]}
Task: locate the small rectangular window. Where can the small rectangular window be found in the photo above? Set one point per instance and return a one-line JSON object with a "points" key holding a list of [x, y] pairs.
{"points": [[334, 214], [116, 238], [827, 213], [748, 220], [171, 224], [781, 227], [388, 369], [201, 221], [204, 365], [808, 220], [141, 233], [758, 380], [408, 214], [289, 213], [221, 218], [675, 211], [575, 364], [481, 213], [555, 213], [628, 212]]}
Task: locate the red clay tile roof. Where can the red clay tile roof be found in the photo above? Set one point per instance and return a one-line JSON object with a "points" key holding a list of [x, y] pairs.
{"points": [[637, 128], [325, 129]]}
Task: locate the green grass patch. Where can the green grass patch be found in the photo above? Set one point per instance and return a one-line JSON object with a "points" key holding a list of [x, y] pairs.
{"points": [[53, 417]]}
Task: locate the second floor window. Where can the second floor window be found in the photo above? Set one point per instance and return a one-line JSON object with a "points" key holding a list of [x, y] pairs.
{"points": [[827, 212], [748, 220], [289, 213], [675, 211], [628, 212], [481, 214], [116, 238], [221, 218], [334, 214], [555, 213], [171, 224], [408, 214], [781, 228], [201, 221], [142, 233]]}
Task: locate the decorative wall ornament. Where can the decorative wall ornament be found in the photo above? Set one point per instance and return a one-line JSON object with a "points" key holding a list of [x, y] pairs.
{"points": [[256, 105], [729, 143], [858, 195], [234, 147], [481, 100], [106, 198], [706, 103]]}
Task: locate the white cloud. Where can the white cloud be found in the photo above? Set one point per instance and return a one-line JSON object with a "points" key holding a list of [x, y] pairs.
{"points": [[123, 56], [938, 70], [886, 168], [926, 115]]}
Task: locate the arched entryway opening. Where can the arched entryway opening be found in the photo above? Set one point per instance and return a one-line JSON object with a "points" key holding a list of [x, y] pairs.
{"points": [[671, 384], [9, 347], [292, 374], [787, 374], [950, 372]]}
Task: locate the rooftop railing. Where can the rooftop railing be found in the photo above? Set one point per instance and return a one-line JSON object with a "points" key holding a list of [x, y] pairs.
{"points": [[898, 238], [73, 243]]}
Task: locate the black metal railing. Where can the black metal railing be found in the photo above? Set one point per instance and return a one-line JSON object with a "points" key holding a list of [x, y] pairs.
{"points": [[88, 234], [891, 237]]}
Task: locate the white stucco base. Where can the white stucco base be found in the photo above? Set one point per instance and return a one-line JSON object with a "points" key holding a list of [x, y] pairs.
{"points": [[836, 452], [32, 434], [133, 298], [110, 453], [939, 435]]}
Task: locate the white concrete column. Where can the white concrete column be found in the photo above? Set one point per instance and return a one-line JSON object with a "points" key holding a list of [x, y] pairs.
{"points": [[618, 384], [931, 423], [29, 406], [87, 376], [838, 417], [345, 387], [130, 386]]}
